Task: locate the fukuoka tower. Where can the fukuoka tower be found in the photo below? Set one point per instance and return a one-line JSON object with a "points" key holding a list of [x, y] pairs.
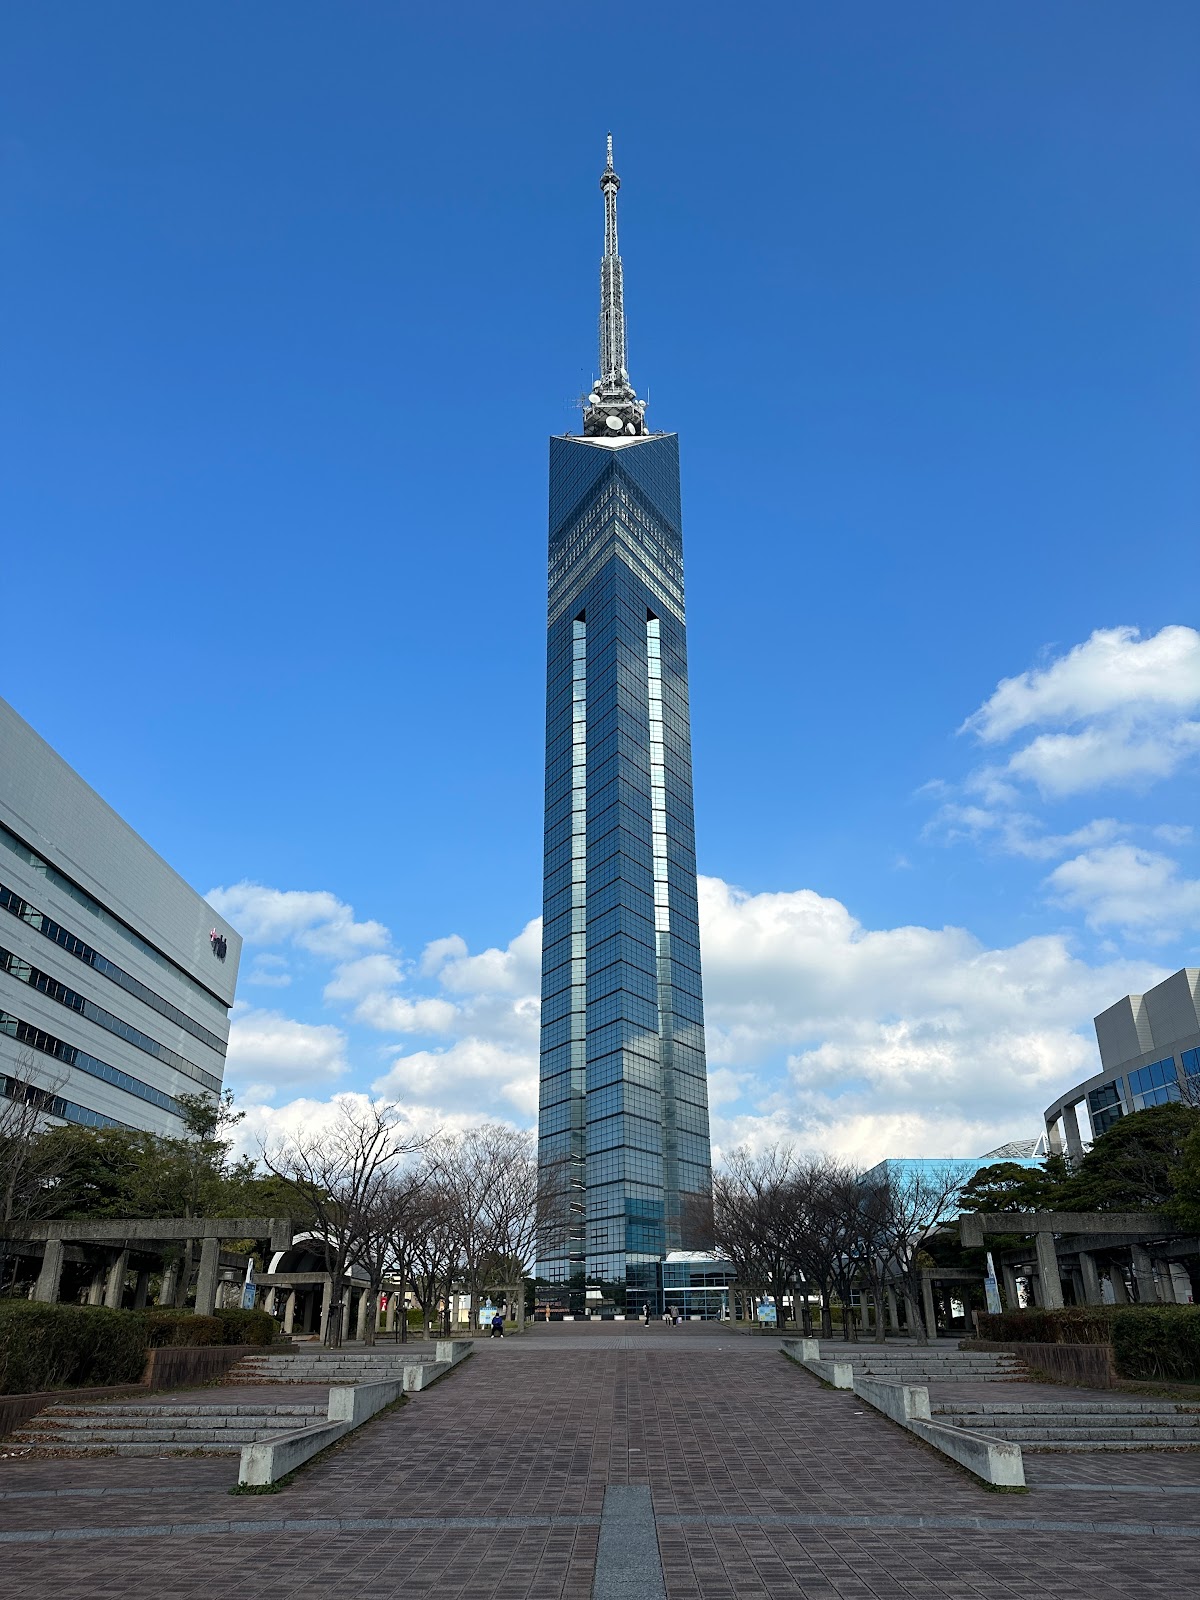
{"points": [[623, 1146]]}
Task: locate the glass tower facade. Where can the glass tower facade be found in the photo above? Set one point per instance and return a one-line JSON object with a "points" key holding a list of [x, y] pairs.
{"points": [[623, 1146]]}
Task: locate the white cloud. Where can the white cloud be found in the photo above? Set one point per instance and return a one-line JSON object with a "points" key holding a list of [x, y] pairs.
{"points": [[352, 980], [901, 1041], [314, 919], [475, 1077], [1118, 751], [895, 1041], [268, 1051], [1123, 705], [1016, 832], [1136, 890], [393, 1013], [1116, 669], [438, 951], [267, 972], [513, 970]]}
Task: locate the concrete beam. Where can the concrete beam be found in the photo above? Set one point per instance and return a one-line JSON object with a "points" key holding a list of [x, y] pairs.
{"points": [[155, 1230], [973, 1226]]}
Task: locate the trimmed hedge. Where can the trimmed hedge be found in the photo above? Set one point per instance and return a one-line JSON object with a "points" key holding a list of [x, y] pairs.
{"points": [[165, 1326], [1148, 1341], [1072, 1325], [233, 1325], [60, 1346], [239, 1326], [48, 1347]]}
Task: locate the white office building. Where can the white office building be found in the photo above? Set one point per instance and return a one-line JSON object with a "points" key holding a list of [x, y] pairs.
{"points": [[116, 978]]}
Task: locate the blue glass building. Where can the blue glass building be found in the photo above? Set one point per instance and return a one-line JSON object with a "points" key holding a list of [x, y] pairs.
{"points": [[623, 1145]]}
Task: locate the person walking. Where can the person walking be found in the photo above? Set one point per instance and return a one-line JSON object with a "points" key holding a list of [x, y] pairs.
{"points": [[646, 1313]]}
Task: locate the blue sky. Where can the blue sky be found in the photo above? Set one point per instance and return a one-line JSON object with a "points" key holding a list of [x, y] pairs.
{"points": [[295, 295]]}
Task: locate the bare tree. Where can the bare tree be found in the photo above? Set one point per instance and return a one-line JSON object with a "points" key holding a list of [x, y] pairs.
{"points": [[340, 1173], [906, 1207], [512, 1204], [431, 1249], [752, 1222], [381, 1248], [490, 1183]]}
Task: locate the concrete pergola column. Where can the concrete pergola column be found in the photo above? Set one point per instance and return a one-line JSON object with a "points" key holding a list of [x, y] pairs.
{"points": [[347, 1305], [49, 1278], [166, 1290], [1117, 1279], [141, 1291], [1143, 1273], [1012, 1301], [96, 1287], [206, 1280], [893, 1311], [1048, 1279], [927, 1308], [1070, 1117], [289, 1311], [1092, 1293], [364, 1307]]}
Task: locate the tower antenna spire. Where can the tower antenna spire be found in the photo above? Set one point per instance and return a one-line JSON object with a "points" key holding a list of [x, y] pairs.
{"points": [[613, 408]]}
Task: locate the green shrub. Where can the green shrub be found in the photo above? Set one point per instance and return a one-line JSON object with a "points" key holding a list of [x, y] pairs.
{"points": [[49, 1347], [239, 1326], [167, 1326], [1149, 1341], [1071, 1325], [1157, 1341]]}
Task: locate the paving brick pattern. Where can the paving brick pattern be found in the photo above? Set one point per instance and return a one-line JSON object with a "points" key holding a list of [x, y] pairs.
{"points": [[762, 1483]]}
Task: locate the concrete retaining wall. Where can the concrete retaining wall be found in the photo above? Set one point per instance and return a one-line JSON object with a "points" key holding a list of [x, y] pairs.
{"points": [[16, 1409], [1089, 1365], [350, 1405], [179, 1366], [996, 1461]]}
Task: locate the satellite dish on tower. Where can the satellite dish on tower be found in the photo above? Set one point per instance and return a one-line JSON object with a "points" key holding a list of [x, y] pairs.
{"points": [[614, 423]]}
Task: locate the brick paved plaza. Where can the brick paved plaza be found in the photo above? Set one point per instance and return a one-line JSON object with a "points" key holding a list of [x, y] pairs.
{"points": [[732, 1473]]}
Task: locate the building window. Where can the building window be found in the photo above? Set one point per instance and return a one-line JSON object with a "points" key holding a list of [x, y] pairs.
{"points": [[1154, 1085], [27, 1033], [89, 902], [1191, 1063], [1104, 1106]]}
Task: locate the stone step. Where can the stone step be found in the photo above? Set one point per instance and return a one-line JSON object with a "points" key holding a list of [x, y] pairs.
{"points": [[86, 1447], [229, 1438], [1074, 1447], [184, 1414], [1065, 1408], [1085, 1436], [214, 1421]]}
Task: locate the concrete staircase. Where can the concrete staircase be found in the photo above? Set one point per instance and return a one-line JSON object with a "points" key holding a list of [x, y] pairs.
{"points": [[926, 1364], [318, 1365], [1079, 1424], [158, 1430]]}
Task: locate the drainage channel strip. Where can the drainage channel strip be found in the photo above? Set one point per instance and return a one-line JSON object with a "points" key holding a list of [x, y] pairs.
{"points": [[628, 1521]]}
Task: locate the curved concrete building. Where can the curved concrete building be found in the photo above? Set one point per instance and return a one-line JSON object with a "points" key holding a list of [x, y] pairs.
{"points": [[1150, 1053]]}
